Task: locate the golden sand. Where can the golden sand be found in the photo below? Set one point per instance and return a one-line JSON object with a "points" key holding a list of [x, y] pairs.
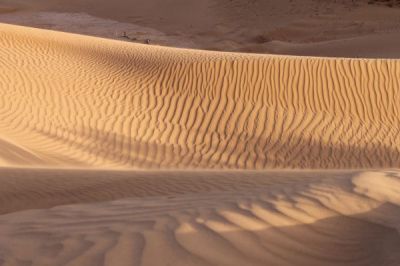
{"points": [[71, 101], [81, 101]]}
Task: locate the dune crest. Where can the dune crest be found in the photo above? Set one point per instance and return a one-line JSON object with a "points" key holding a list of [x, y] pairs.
{"points": [[84, 101]]}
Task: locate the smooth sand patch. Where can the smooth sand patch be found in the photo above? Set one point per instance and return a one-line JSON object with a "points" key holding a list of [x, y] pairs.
{"points": [[306, 27]]}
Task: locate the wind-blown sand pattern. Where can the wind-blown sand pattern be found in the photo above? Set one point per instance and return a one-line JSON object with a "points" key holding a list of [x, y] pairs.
{"points": [[220, 126], [207, 218], [77, 101]]}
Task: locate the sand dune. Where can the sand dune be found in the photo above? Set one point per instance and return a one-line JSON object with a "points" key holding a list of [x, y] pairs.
{"points": [[82, 101], [205, 218], [53, 187], [73, 108]]}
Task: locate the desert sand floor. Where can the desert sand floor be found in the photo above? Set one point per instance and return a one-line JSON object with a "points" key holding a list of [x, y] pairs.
{"points": [[195, 135], [340, 28], [199, 217]]}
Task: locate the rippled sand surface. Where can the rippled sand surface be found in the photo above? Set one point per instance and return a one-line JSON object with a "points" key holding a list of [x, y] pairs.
{"points": [[199, 217], [115, 153], [81, 101]]}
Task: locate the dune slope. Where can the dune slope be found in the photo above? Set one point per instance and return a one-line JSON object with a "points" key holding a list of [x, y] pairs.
{"points": [[82, 101], [71, 101], [204, 218]]}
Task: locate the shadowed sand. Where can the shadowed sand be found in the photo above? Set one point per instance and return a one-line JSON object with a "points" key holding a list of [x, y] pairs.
{"points": [[74, 108], [200, 218]]}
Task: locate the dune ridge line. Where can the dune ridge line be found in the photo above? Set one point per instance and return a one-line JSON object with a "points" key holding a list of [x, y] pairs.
{"points": [[74, 100]]}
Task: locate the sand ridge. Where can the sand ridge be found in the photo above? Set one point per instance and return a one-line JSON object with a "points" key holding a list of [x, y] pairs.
{"points": [[84, 101], [38, 188]]}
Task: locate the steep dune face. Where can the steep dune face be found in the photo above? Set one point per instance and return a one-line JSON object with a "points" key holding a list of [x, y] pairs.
{"points": [[73, 100]]}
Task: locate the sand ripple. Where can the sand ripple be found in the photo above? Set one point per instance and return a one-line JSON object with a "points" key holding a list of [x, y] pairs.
{"points": [[74, 101], [81, 101], [306, 218]]}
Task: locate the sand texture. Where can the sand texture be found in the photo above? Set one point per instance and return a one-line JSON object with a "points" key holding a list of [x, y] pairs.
{"points": [[202, 218], [115, 153], [81, 101]]}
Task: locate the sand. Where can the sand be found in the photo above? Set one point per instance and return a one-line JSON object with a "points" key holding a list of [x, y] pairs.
{"points": [[199, 217], [83, 101], [305, 27], [119, 153]]}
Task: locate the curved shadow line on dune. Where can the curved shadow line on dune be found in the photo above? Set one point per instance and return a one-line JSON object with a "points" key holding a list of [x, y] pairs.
{"points": [[16, 154], [117, 149]]}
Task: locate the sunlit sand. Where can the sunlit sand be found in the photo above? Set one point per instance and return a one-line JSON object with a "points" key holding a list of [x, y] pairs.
{"points": [[115, 152]]}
